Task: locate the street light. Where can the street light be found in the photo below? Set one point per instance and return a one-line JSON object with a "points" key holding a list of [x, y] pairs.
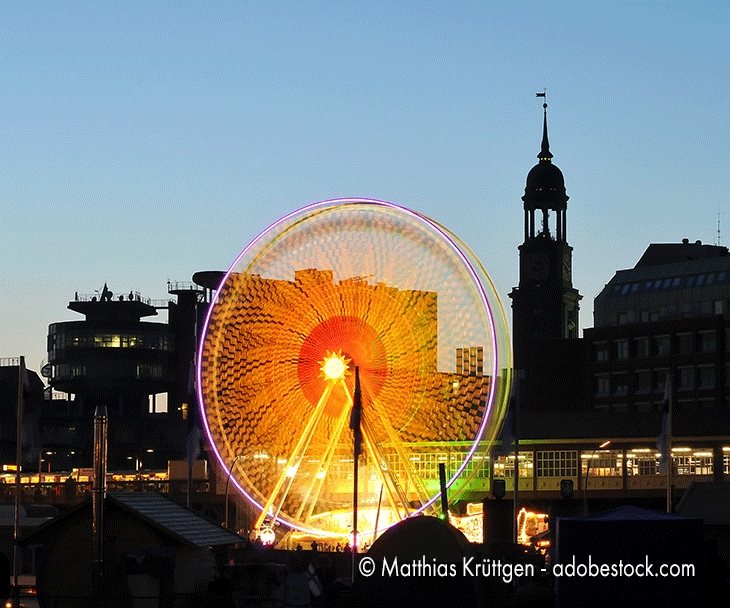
{"points": [[605, 444], [228, 481]]}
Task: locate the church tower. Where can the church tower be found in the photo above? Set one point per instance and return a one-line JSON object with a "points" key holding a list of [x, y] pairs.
{"points": [[545, 304]]}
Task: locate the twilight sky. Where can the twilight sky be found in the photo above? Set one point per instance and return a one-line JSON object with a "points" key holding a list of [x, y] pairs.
{"points": [[144, 141]]}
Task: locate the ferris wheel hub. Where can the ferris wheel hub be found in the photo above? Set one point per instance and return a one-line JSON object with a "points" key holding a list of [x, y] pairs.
{"points": [[335, 366]]}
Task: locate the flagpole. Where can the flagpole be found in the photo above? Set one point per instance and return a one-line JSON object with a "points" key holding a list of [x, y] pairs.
{"points": [[357, 438], [669, 446], [18, 458], [517, 462]]}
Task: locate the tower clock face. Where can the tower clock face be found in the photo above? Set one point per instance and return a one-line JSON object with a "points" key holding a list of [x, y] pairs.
{"points": [[538, 266]]}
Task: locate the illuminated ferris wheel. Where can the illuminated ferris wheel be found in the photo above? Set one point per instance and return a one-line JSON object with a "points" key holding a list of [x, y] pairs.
{"points": [[334, 286]]}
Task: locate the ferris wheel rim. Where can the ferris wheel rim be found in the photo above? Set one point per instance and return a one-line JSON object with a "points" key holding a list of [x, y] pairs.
{"points": [[455, 245]]}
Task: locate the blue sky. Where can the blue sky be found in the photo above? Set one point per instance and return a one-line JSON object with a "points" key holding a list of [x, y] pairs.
{"points": [[143, 141]]}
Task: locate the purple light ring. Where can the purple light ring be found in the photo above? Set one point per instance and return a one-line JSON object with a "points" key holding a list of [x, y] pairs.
{"points": [[324, 206]]}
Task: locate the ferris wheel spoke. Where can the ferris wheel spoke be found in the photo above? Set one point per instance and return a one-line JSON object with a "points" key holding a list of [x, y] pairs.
{"points": [[296, 456], [390, 482], [398, 503], [401, 453], [326, 461]]}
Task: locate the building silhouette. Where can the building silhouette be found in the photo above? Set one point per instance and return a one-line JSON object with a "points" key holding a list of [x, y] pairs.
{"points": [[664, 317], [545, 304], [138, 369]]}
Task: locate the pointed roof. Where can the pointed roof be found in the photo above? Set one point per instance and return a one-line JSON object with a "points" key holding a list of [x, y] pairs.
{"points": [[545, 187], [545, 154]]}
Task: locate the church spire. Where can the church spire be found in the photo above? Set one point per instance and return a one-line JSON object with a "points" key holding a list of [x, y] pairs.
{"points": [[545, 154]]}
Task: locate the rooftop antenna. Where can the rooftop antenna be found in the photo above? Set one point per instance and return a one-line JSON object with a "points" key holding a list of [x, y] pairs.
{"points": [[718, 226]]}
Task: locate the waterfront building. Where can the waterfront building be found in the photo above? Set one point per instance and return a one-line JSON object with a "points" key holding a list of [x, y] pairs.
{"points": [[136, 368]]}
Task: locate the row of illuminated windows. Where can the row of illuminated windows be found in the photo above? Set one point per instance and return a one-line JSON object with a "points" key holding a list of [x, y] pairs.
{"points": [[565, 463], [659, 346], [426, 465], [153, 341], [608, 463], [645, 381], [67, 370], [561, 463], [666, 283]]}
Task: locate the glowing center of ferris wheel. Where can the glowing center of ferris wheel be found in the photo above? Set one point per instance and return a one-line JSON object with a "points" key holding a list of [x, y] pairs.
{"points": [[334, 366]]}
